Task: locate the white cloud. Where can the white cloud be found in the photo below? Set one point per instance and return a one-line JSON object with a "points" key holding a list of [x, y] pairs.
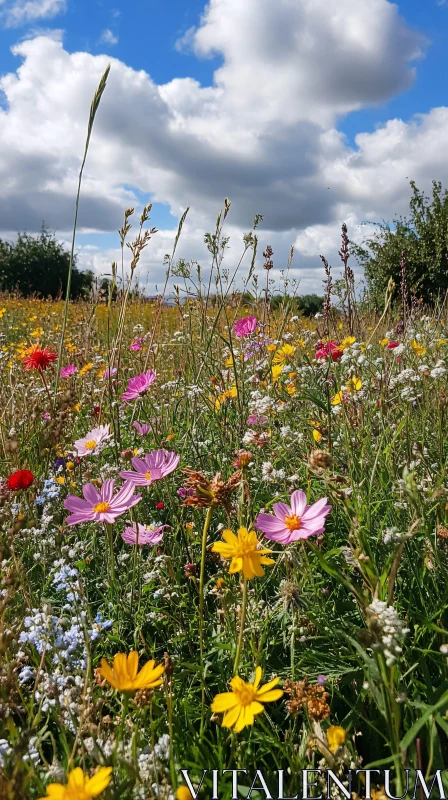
{"points": [[108, 37], [19, 12], [263, 135]]}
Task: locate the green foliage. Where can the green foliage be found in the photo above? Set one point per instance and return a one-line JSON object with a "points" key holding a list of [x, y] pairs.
{"points": [[307, 304], [39, 265], [423, 238]]}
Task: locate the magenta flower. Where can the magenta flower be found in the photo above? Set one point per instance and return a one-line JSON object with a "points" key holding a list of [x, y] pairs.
{"points": [[294, 522], [147, 534], [92, 441], [137, 344], [255, 419], [70, 369], [138, 385], [100, 506], [245, 326], [154, 466]]}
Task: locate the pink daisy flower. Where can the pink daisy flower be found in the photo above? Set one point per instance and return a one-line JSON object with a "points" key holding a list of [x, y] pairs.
{"points": [[70, 369], [100, 506], [147, 534], [92, 441], [138, 385], [245, 326], [154, 466], [137, 344], [294, 522], [142, 428], [109, 372]]}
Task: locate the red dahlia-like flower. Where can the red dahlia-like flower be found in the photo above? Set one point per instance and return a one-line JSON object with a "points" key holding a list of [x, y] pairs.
{"points": [[20, 479], [38, 358]]}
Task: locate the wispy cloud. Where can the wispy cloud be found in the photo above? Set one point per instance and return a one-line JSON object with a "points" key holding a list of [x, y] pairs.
{"points": [[108, 37], [14, 13]]}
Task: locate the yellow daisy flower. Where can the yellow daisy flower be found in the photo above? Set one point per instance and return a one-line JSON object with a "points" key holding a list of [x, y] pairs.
{"points": [[124, 674], [243, 553], [80, 786], [245, 701], [335, 737]]}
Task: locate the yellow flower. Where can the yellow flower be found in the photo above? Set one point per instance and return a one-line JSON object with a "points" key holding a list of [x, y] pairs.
{"points": [[441, 341], [276, 372], [291, 389], [77, 407], [245, 701], [335, 737], [349, 340], [69, 465], [317, 436], [229, 393], [271, 348], [60, 480], [337, 399], [229, 362], [80, 786], [384, 341], [417, 348], [124, 674], [243, 552], [86, 368], [2, 311], [37, 333], [284, 353], [183, 793], [354, 385]]}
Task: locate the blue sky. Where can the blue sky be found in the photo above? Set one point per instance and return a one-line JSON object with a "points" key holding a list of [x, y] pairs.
{"points": [[285, 114]]}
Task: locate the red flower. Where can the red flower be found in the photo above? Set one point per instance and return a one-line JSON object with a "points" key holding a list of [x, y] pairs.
{"points": [[328, 349], [159, 506], [38, 358], [20, 480], [392, 345]]}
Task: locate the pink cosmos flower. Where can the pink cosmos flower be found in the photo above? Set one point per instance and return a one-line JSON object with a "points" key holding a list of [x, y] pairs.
{"points": [[255, 419], [138, 385], [137, 344], [392, 345], [294, 522], [70, 369], [328, 349], [155, 465], [101, 506], [142, 428], [92, 441], [46, 415], [109, 372], [147, 534], [245, 326]]}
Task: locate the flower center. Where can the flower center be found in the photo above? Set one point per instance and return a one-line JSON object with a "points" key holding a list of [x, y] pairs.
{"points": [[90, 444], [148, 475], [245, 694], [293, 522], [101, 508]]}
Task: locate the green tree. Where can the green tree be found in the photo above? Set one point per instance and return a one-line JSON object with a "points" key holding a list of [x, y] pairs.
{"points": [[423, 237], [39, 265]]}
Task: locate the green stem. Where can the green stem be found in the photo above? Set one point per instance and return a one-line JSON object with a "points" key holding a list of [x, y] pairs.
{"points": [[201, 612], [242, 623], [93, 110], [110, 542]]}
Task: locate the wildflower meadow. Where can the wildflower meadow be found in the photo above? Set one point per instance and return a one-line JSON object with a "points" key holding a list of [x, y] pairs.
{"points": [[224, 537]]}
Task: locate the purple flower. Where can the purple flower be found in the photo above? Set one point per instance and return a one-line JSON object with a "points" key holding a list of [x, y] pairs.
{"points": [[46, 415], [143, 534], [154, 466], [109, 372], [137, 344], [138, 385], [294, 522], [101, 506], [245, 326], [322, 680], [254, 419], [70, 369], [183, 492]]}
